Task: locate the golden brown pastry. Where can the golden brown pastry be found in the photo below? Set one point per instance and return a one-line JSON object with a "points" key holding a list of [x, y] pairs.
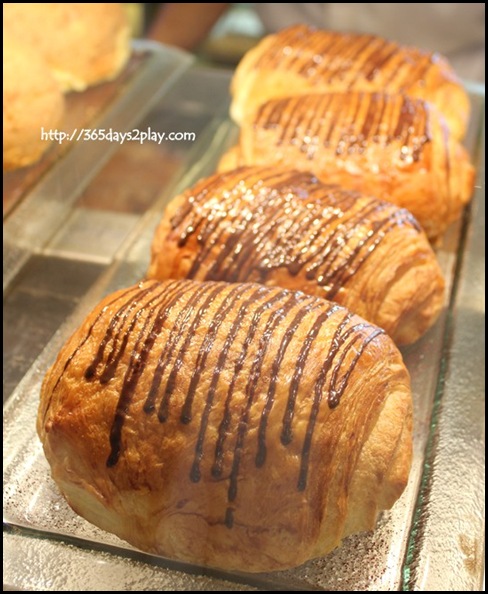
{"points": [[32, 101], [301, 59], [236, 426], [282, 227], [83, 44], [396, 148]]}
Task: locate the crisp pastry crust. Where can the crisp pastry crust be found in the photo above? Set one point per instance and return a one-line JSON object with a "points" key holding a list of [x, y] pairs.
{"points": [[237, 426], [301, 59], [394, 147], [285, 228], [82, 43], [32, 101]]}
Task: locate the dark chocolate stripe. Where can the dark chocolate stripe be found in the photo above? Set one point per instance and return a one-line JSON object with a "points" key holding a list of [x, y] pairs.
{"points": [[114, 331], [206, 347], [83, 342], [286, 434], [275, 370], [188, 320], [354, 66], [319, 388], [334, 243], [336, 391], [366, 246], [272, 323], [379, 61], [238, 366], [256, 291], [175, 334], [137, 364]]}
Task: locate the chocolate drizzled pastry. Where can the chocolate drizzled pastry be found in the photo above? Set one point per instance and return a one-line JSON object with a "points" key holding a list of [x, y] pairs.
{"points": [[283, 227], [394, 147], [302, 60], [232, 425]]}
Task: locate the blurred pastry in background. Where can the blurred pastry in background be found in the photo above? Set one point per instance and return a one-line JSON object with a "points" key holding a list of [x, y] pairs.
{"points": [[301, 60], [394, 147], [83, 44], [50, 49], [454, 29], [32, 100]]}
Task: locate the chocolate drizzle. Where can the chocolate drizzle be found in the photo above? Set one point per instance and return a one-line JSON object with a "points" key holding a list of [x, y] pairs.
{"points": [[287, 434], [264, 219], [273, 322], [224, 425], [215, 340], [345, 61], [275, 368], [230, 338], [132, 291], [344, 124]]}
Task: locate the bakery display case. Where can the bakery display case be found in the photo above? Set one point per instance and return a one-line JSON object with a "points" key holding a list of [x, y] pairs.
{"points": [[79, 225]]}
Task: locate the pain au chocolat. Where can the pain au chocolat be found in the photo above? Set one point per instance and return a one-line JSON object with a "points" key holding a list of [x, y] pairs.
{"points": [[236, 426], [394, 147], [301, 59], [283, 227]]}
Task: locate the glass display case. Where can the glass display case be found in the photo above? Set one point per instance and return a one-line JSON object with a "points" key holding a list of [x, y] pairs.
{"points": [[80, 226]]}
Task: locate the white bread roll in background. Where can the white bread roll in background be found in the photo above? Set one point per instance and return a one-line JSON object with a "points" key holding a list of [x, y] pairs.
{"points": [[32, 99], [83, 44]]}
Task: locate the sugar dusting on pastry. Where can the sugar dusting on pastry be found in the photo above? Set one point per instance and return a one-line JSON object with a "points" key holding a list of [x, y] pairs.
{"points": [[282, 227]]}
